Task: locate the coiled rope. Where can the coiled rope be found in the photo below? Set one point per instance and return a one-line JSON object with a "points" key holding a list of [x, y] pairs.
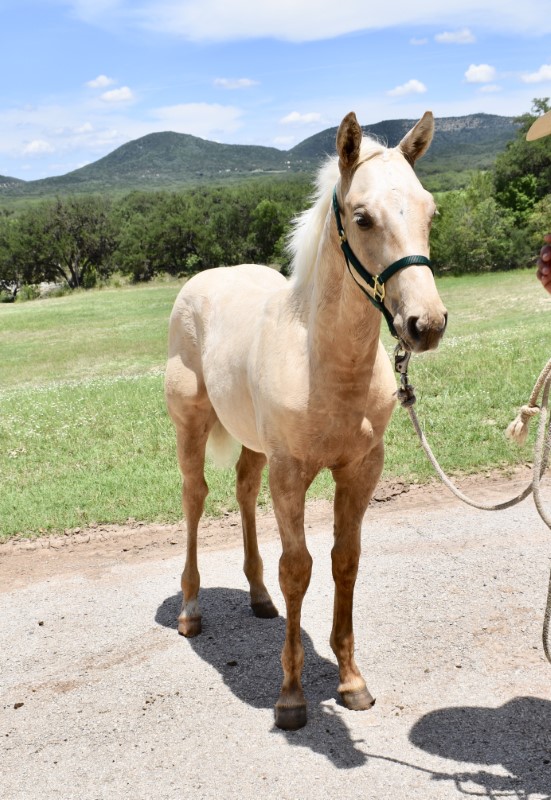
{"points": [[517, 431]]}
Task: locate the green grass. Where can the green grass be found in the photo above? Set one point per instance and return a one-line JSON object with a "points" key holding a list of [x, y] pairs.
{"points": [[84, 435], [472, 387], [95, 334]]}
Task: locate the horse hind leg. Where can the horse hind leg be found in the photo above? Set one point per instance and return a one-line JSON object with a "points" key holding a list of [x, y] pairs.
{"points": [[249, 474], [191, 437]]}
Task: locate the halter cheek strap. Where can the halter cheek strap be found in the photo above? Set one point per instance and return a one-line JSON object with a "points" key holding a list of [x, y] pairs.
{"points": [[375, 290]]}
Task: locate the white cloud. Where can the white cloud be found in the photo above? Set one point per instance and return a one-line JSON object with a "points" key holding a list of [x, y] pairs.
{"points": [[79, 130], [86, 128], [289, 20], [480, 73], [37, 147], [463, 36], [95, 10], [490, 88], [206, 120], [411, 87], [295, 117], [235, 83], [122, 95], [101, 82], [88, 131], [418, 42], [541, 76]]}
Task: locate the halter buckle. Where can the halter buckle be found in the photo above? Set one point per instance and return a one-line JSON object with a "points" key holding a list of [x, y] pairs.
{"points": [[378, 289]]}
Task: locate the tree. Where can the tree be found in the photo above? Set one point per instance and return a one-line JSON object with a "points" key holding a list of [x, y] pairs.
{"points": [[473, 233], [266, 228], [158, 233], [72, 239], [13, 273], [538, 223], [522, 173]]}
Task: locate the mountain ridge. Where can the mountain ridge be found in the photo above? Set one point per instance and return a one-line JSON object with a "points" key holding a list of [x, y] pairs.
{"points": [[169, 160]]}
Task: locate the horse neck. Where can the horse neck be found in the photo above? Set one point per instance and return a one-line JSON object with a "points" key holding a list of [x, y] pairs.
{"points": [[343, 326]]}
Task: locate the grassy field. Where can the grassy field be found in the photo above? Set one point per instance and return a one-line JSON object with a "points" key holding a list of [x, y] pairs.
{"points": [[84, 435]]}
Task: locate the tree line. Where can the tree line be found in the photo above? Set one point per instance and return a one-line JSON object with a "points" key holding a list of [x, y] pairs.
{"points": [[496, 222], [80, 241]]}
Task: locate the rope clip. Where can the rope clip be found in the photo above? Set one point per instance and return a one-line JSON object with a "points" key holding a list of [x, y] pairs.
{"points": [[405, 393]]}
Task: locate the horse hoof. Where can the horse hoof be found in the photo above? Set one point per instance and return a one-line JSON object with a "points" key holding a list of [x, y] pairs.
{"points": [[264, 609], [290, 718], [189, 626], [357, 701]]}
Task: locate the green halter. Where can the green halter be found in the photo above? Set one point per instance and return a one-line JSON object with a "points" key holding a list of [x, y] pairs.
{"points": [[374, 282]]}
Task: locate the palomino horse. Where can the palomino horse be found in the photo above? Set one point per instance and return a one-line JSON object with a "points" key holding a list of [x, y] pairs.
{"points": [[294, 371]]}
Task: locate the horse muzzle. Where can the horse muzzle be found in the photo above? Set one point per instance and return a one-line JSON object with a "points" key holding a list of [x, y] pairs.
{"points": [[423, 331]]}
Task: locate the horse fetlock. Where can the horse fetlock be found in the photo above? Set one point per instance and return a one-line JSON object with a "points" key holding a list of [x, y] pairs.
{"points": [[264, 609], [189, 621]]}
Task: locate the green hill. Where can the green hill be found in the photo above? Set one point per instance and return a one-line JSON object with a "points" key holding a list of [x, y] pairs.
{"points": [[9, 183], [172, 160], [157, 161], [460, 144]]}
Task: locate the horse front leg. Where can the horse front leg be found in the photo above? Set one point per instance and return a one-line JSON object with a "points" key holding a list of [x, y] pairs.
{"points": [[288, 486], [354, 486]]}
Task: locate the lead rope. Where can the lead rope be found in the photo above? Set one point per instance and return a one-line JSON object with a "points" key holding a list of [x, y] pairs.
{"points": [[517, 430]]}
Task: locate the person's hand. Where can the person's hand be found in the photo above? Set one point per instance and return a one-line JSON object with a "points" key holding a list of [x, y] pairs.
{"points": [[544, 264]]}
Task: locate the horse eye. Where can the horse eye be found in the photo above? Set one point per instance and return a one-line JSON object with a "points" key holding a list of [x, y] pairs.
{"points": [[363, 221]]}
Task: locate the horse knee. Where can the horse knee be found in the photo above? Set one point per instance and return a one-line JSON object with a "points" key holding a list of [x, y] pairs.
{"points": [[344, 563], [295, 570], [194, 491]]}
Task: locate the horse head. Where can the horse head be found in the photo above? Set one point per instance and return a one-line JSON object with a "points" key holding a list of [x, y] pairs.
{"points": [[385, 215]]}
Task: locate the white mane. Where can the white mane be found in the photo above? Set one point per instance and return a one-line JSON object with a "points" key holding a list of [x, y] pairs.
{"points": [[308, 226]]}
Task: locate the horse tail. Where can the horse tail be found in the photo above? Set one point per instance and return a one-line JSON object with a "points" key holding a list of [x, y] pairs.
{"points": [[222, 448]]}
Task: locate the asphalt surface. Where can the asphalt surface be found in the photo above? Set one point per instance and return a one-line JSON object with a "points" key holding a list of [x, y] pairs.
{"points": [[100, 698]]}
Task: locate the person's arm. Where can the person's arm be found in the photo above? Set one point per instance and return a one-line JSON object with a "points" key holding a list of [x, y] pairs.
{"points": [[544, 264]]}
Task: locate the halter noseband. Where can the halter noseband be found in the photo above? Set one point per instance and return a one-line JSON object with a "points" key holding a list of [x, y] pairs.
{"points": [[376, 283]]}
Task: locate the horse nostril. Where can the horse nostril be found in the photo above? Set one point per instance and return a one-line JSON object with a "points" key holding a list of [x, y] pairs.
{"points": [[445, 320], [413, 330], [423, 333]]}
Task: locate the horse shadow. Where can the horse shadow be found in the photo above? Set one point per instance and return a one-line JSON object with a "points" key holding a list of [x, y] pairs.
{"points": [[516, 736], [246, 652]]}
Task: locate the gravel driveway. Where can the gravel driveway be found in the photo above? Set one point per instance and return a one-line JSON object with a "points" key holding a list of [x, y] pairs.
{"points": [[100, 698]]}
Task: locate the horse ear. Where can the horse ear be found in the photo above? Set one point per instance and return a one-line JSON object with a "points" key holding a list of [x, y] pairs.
{"points": [[349, 140], [416, 143]]}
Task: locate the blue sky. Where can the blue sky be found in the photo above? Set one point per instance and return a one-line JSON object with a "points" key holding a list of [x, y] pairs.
{"points": [[82, 77]]}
